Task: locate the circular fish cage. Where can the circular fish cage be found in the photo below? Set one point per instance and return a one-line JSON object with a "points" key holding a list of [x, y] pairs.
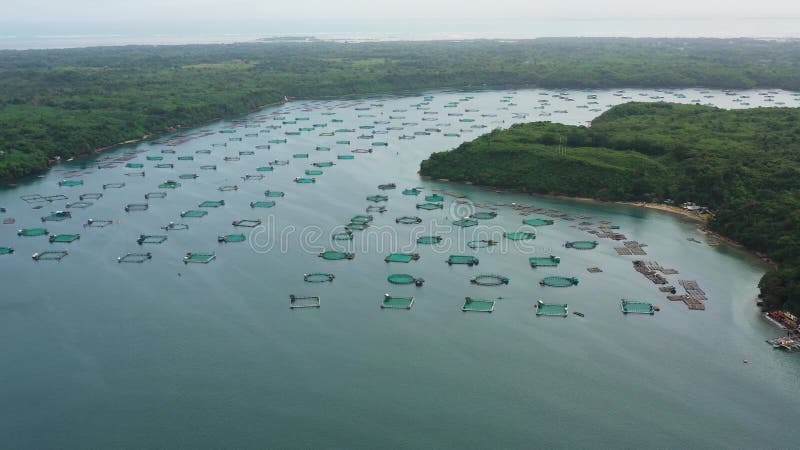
{"points": [[489, 280]]}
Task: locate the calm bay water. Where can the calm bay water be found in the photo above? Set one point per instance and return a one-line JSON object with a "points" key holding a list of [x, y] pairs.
{"points": [[97, 354]]}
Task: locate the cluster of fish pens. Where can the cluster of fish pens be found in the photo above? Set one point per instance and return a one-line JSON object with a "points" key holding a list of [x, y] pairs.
{"points": [[270, 132]]}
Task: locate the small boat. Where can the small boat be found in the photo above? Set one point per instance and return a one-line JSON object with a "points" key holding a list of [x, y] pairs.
{"points": [[577, 313]]}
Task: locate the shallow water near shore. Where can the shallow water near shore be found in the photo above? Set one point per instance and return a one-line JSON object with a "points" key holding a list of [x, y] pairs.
{"points": [[99, 354]]}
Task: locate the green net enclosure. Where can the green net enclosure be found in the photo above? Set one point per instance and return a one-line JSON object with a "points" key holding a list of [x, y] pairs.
{"points": [[537, 222], [186, 158], [250, 177], [346, 235], [64, 238], [134, 165], [151, 239], [429, 206], [520, 236], [98, 223], [484, 215], [380, 144], [477, 305], [318, 277], [52, 255], [489, 280], [482, 243], [172, 226], [249, 223], [434, 198], [402, 257], [274, 194], [358, 226], [302, 180], [408, 220], [361, 218], [581, 245], [136, 207], [300, 155], [323, 164], [637, 307], [557, 281], [211, 204], [544, 261], [397, 302], [135, 258], [429, 240], [463, 259], [411, 191], [262, 204], [164, 166], [194, 213], [70, 183], [312, 301], [6, 250], [57, 216], [378, 198], [314, 172], [79, 205], [227, 188], [199, 257], [345, 157], [332, 255], [29, 232], [232, 238], [265, 169], [169, 185], [404, 278], [551, 309], [113, 185], [376, 208], [90, 196], [322, 148], [150, 195], [279, 162], [387, 186], [208, 167], [465, 223]]}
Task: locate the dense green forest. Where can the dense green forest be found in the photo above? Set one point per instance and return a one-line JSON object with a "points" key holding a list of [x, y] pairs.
{"points": [[70, 102], [744, 164]]}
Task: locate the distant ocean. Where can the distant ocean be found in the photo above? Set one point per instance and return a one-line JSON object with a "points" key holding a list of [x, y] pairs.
{"points": [[714, 27]]}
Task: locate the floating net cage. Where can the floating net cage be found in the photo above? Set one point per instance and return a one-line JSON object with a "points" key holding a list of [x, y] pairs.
{"points": [[204, 151], [274, 194], [136, 207], [343, 236], [332, 255], [6, 250], [378, 198], [208, 167], [637, 307], [199, 258], [520, 236], [311, 301], [168, 151], [481, 243], [265, 169], [484, 215], [232, 238], [64, 238], [70, 183], [135, 258], [544, 261], [489, 280], [134, 174], [408, 220], [343, 142], [164, 166], [247, 153], [172, 226], [361, 218], [557, 281], [313, 172], [51, 255], [248, 223], [397, 302], [386, 187], [323, 164], [465, 223], [228, 188], [98, 223], [151, 239], [429, 240], [320, 148], [134, 165], [402, 257], [345, 157], [79, 205], [318, 277], [169, 185], [380, 144], [90, 196], [434, 198], [253, 177], [57, 216], [186, 158], [376, 208], [551, 309], [581, 245], [477, 305], [211, 204], [411, 192], [537, 222], [302, 180], [279, 162], [462, 259], [358, 226], [150, 195], [231, 158], [194, 213], [300, 155], [277, 141], [430, 206], [262, 204], [404, 278]]}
